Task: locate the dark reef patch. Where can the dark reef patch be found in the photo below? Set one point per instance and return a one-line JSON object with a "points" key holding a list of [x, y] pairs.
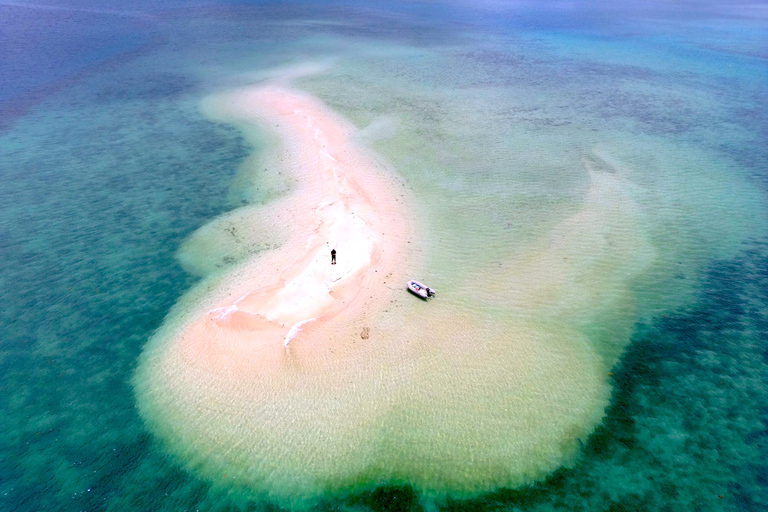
{"points": [[388, 499], [152, 86]]}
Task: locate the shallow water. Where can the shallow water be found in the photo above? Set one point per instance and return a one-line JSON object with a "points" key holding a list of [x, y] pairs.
{"points": [[494, 120]]}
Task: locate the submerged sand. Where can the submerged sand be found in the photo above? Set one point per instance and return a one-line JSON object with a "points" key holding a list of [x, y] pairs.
{"points": [[291, 377]]}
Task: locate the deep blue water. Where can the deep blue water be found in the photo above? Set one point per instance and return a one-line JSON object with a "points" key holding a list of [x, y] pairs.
{"points": [[44, 49], [105, 169]]}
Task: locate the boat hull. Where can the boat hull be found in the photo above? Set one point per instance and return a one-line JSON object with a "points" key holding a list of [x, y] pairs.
{"points": [[420, 290]]}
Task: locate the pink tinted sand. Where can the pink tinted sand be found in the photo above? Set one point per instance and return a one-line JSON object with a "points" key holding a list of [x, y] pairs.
{"points": [[341, 201]]}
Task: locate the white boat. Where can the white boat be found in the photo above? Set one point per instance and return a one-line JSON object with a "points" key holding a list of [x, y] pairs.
{"points": [[420, 290]]}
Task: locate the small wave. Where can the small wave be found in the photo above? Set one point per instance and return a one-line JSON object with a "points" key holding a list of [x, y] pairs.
{"points": [[223, 312], [295, 330]]}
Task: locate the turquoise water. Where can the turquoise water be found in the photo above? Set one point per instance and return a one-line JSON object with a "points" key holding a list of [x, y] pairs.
{"points": [[489, 116]]}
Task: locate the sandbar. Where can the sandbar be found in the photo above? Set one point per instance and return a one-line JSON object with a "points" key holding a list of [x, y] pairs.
{"points": [[289, 377]]}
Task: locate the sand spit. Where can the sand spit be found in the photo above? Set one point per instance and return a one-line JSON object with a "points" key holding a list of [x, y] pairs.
{"points": [[290, 378], [340, 203]]}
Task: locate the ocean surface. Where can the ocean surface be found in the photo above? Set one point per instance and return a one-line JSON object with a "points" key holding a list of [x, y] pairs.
{"points": [[494, 115]]}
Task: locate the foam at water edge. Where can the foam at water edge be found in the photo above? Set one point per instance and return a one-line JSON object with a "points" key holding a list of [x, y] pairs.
{"points": [[295, 330]]}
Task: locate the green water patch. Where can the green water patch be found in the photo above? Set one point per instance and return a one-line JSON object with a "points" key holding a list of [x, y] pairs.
{"points": [[96, 198]]}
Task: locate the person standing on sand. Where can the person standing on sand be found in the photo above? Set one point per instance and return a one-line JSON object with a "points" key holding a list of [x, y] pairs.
{"points": [[333, 256]]}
